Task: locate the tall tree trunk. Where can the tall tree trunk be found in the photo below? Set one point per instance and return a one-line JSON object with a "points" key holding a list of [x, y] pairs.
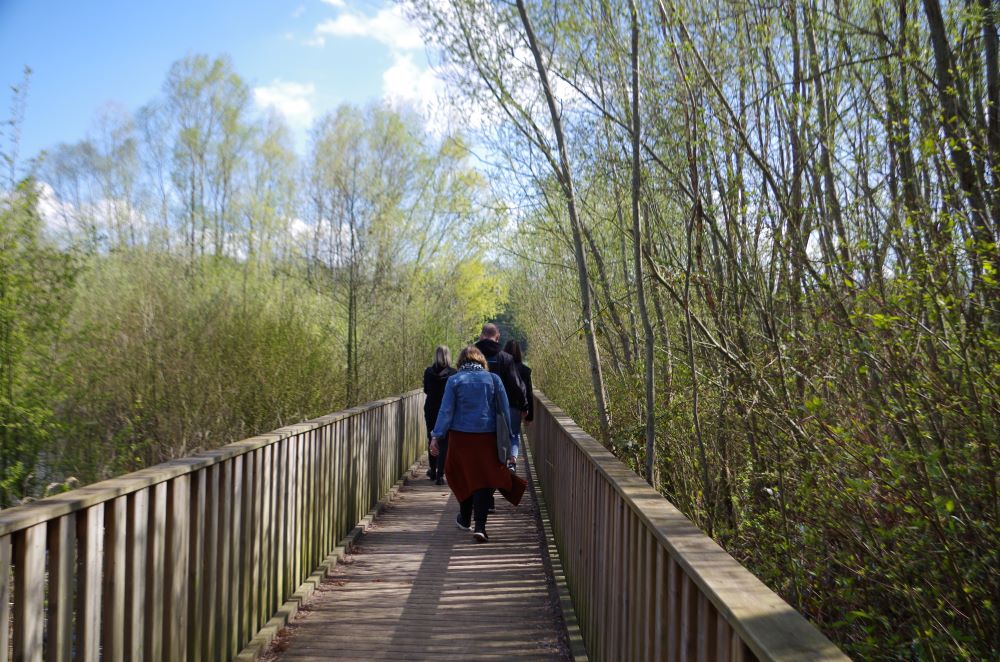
{"points": [[565, 176], [640, 287], [953, 110]]}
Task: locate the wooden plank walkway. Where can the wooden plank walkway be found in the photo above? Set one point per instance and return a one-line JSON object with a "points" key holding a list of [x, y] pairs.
{"points": [[418, 588]]}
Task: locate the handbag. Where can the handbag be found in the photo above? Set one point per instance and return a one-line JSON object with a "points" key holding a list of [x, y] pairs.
{"points": [[503, 430]]}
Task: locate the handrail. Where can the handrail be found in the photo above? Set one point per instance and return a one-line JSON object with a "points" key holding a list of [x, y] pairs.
{"points": [[190, 558], [646, 583]]}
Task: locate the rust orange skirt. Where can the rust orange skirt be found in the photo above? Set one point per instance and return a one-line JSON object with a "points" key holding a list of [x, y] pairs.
{"points": [[472, 464]]}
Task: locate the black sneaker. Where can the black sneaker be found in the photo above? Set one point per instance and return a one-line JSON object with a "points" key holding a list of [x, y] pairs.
{"points": [[459, 524], [512, 465], [481, 536], [430, 474], [439, 481]]}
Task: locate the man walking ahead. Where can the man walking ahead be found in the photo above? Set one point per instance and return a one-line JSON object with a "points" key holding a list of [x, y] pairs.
{"points": [[502, 364]]}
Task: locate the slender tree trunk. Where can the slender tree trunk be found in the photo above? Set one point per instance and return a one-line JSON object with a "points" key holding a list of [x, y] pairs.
{"points": [[566, 182], [640, 286]]}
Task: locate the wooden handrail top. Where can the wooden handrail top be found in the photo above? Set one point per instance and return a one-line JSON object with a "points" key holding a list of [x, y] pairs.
{"points": [[30, 514], [771, 627]]}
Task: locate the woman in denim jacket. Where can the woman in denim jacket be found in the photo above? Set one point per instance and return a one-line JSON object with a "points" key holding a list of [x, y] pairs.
{"points": [[468, 417]]}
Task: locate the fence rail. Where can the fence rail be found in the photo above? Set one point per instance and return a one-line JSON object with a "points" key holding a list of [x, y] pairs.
{"points": [[646, 583], [189, 559]]}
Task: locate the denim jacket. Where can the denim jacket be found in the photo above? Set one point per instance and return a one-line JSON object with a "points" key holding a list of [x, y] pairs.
{"points": [[467, 405]]}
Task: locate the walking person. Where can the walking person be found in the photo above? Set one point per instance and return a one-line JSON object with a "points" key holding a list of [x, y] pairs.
{"points": [[502, 363], [468, 416], [514, 349], [435, 377]]}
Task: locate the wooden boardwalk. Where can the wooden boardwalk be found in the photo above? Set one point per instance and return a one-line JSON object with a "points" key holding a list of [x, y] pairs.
{"points": [[418, 588]]}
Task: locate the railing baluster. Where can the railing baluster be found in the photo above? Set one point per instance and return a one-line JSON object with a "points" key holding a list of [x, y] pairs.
{"points": [[236, 556], [61, 537], [29, 593], [244, 574], [650, 553], [196, 561], [176, 566], [224, 544], [116, 559], [90, 534], [674, 575], [267, 532], [723, 638], [153, 645], [706, 629], [689, 619], [5, 568], [661, 645], [137, 538], [210, 587], [254, 621]]}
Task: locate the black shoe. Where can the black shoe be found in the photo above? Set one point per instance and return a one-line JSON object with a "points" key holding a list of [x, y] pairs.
{"points": [[512, 465], [430, 474], [439, 481], [459, 524], [480, 535]]}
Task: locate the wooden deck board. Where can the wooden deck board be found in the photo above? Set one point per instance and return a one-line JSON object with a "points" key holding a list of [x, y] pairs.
{"points": [[416, 587]]}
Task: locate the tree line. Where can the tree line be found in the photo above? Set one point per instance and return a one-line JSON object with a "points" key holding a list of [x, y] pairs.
{"points": [[757, 255], [182, 278]]}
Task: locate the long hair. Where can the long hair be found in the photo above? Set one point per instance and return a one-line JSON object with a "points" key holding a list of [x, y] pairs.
{"points": [[471, 354], [514, 349], [442, 357]]}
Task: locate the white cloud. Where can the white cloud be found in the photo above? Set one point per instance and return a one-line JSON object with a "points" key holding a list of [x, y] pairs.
{"points": [[293, 100], [408, 82], [388, 26], [57, 216], [109, 219], [334, 3], [301, 9]]}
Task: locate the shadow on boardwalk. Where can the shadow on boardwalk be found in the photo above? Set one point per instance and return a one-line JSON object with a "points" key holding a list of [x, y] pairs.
{"points": [[418, 588]]}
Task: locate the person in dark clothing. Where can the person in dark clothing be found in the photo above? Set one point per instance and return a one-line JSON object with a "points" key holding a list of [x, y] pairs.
{"points": [[514, 349], [501, 363], [435, 377]]}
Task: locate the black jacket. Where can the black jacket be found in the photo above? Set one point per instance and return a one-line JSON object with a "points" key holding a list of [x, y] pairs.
{"points": [[502, 364], [434, 381], [525, 373]]}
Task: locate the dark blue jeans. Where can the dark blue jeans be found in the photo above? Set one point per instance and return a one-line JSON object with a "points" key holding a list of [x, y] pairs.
{"points": [[515, 431]]}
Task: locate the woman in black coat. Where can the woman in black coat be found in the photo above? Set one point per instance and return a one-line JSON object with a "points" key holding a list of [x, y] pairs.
{"points": [[435, 377], [514, 349]]}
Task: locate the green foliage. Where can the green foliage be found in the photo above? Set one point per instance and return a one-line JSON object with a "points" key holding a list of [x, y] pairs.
{"points": [[820, 221], [192, 282], [36, 282], [180, 361]]}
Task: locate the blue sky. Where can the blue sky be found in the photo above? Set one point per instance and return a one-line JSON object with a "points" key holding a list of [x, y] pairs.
{"points": [[302, 57]]}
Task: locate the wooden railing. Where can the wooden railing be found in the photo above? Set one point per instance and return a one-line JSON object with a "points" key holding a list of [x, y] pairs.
{"points": [[646, 583], [191, 558]]}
